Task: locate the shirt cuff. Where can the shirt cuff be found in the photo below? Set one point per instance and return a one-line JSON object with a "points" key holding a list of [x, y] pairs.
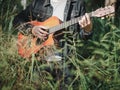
{"points": [[83, 33]]}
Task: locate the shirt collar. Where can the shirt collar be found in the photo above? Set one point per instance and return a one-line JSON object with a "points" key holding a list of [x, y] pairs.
{"points": [[73, 0], [47, 2]]}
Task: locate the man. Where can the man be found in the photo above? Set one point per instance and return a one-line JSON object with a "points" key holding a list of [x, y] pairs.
{"points": [[65, 10]]}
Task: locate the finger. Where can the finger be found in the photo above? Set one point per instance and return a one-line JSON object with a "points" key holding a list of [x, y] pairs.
{"points": [[43, 27], [35, 28], [41, 30], [87, 19], [81, 24], [41, 36], [83, 21]]}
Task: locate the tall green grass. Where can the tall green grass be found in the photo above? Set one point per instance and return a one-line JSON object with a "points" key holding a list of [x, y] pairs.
{"points": [[92, 64]]}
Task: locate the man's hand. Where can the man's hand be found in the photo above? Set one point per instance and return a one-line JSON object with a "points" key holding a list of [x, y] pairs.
{"points": [[86, 23], [40, 32]]}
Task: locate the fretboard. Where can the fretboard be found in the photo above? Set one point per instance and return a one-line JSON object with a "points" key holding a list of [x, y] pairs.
{"points": [[66, 24]]}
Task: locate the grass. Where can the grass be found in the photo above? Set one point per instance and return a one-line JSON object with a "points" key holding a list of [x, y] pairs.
{"points": [[92, 64], [96, 68]]}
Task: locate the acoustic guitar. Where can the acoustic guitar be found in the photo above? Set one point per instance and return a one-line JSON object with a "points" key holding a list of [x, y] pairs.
{"points": [[27, 44]]}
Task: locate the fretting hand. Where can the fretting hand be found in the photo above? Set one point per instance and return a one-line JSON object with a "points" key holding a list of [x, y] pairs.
{"points": [[86, 23]]}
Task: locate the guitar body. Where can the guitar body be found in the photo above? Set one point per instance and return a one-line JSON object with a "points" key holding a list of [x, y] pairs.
{"points": [[27, 44]]}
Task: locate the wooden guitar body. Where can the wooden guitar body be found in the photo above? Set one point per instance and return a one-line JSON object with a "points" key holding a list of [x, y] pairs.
{"points": [[27, 44]]}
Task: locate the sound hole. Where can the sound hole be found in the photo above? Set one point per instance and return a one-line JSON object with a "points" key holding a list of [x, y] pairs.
{"points": [[39, 41]]}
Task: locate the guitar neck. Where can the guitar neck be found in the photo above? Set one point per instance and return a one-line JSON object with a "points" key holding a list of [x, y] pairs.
{"points": [[66, 24]]}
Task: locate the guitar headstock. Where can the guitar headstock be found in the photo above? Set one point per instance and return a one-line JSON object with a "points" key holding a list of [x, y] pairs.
{"points": [[101, 12]]}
